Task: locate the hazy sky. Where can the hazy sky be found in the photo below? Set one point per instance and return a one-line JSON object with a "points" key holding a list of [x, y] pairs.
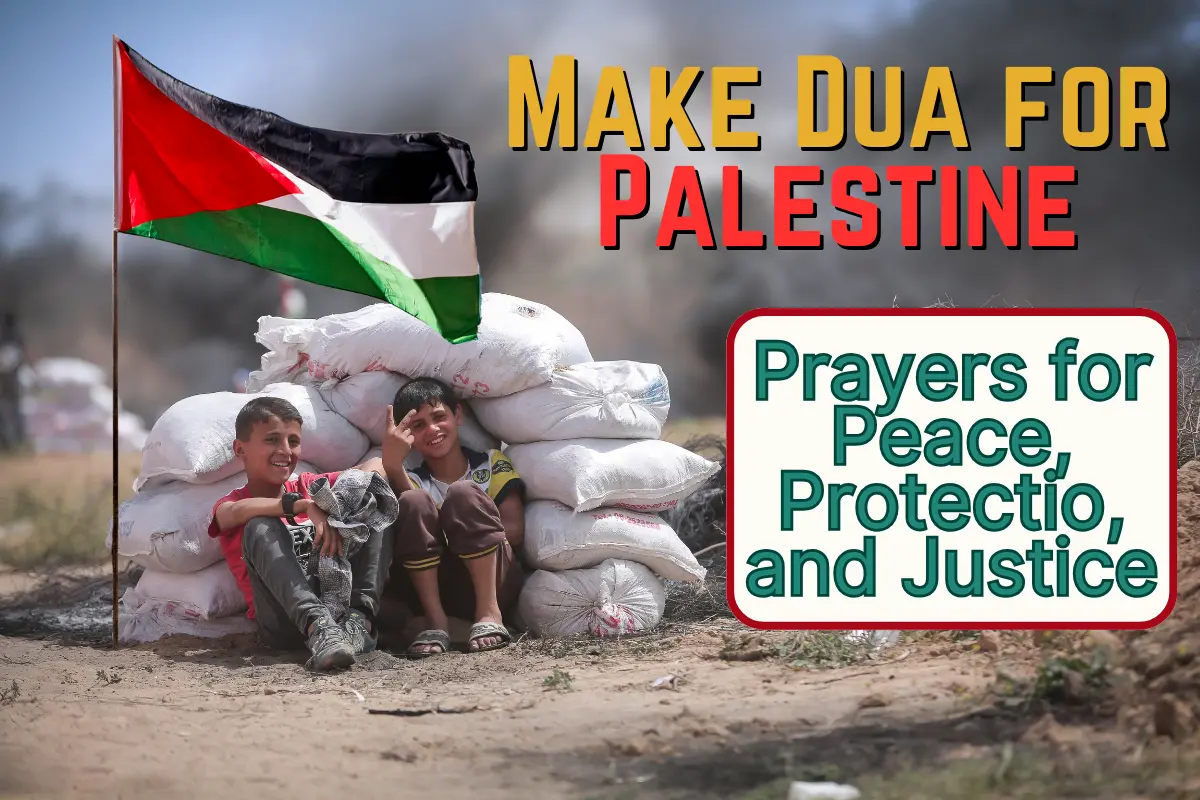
{"points": [[55, 54], [56, 58]]}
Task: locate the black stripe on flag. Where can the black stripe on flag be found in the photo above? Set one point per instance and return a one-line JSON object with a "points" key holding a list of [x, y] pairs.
{"points": [[388, 168]]}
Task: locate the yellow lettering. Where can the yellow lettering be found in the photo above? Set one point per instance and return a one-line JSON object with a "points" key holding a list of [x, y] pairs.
{"points": [[667, 108], [524, 98], [1073, 133], [939, 84], [613, 92], [864, 109], [807, 70], [726, 108], [1016, 108], [1151, 116]]}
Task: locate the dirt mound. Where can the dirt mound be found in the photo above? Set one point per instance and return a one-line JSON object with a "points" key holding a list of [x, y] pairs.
{"points": [[1164, 659]]}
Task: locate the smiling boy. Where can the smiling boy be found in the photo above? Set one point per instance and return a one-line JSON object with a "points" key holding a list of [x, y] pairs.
{"points": [[270, 531], [462, 520]]}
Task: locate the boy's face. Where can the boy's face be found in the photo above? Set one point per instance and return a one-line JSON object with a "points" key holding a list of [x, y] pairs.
{"points": [[272, 451], [435, 430]]}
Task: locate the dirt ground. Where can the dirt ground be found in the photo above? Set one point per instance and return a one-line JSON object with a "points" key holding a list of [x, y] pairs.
{"points": [[186, 719], [946, 715]]}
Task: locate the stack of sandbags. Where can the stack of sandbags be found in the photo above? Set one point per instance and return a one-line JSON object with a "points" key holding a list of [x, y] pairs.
{"points": [[187, 466], [597, 476], [67, 407], [519, 344]]}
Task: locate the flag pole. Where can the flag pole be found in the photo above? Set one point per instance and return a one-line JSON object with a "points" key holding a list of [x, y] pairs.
{"points": [[116, 530]]}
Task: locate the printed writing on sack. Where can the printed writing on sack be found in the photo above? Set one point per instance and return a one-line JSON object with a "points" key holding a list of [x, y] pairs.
{"points": [[625, 518]]}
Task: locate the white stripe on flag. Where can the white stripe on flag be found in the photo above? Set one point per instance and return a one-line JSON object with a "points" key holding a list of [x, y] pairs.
{"points": [[422, 240]]}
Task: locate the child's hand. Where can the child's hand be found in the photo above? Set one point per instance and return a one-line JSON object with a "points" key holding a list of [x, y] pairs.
{"points": [[398, 440], [326, 540]]}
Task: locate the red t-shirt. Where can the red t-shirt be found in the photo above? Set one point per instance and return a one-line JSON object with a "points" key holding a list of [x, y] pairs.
{"points": [[231, 539]]}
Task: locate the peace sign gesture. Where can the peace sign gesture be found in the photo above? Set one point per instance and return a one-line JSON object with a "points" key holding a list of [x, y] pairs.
{"points": [[397, 439]]}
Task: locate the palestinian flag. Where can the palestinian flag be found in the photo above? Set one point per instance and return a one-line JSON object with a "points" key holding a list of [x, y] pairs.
{"points": [[390, 216]]}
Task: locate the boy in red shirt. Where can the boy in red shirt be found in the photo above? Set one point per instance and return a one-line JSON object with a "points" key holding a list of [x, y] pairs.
{"points": [[270, 531]]}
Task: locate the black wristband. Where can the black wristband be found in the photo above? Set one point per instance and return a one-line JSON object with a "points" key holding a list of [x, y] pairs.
{"points": [[289, 506]]}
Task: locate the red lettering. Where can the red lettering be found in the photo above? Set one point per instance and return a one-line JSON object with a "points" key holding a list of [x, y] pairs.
{"points": [[685, 190], [732, 235], [950, 214], [867, 236], [612, 208], [788, 208], [910, 180], [981, 200], [1041, 207]]}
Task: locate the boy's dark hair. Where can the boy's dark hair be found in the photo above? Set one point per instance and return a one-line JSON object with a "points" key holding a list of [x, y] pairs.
{"points": [[264, 409], [423, 392]]}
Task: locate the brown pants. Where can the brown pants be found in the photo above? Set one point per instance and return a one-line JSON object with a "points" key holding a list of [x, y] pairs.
{"points": [[466, 526]]}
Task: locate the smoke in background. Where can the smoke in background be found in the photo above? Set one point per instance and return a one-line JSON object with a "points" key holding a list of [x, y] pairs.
{"points": [[187, 320]]}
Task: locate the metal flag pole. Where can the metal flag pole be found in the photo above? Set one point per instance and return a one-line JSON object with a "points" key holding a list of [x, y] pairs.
{"points": [[115, 394]]}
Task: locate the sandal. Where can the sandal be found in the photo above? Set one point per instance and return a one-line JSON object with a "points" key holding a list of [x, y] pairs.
{"points": [[440, 638], [482, 630]]}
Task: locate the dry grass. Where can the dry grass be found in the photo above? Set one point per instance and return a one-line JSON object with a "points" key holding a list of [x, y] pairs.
{"points": [[55, 509], [1188, 402]]}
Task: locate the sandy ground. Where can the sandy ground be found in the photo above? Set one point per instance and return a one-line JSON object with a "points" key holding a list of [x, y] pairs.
{"points": [[582, 719], [186, 720]]}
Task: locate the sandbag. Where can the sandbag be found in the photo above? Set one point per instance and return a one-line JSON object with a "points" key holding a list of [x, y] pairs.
{"points": [[211, 593], [556, 538], [165, 527], [615, 598], [602, 399], [144, 621], [363, 399], [520, 344], [193, 440], [640, 475]]}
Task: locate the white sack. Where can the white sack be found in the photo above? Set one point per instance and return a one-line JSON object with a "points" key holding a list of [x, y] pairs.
{"points": [[602, 400], [613, 599], [641, 475], [193, 440], [165, 527], [363, 399], [211, 593], [49, 373], [149, 621], [558, 539], [520, 343]]}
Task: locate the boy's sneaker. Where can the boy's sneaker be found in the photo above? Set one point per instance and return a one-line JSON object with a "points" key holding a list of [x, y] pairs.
{"points": [[329, 647], [357, 632]]}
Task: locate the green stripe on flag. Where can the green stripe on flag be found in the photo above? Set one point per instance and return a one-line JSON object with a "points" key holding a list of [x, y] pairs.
{"points": [[305, 248]]}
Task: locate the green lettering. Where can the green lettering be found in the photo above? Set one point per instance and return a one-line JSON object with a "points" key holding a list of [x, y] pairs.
{"points": [[866, 557], [937, 368], [765, 375], [1132, 364], [1126, 572], [790, 504], [773, 572], [1079, 573], [1016, 581], [842, 438], [946, 433], [852, 370], [891, 507], [1004, 370], [817, 557], [896, 433], [949, 498]]}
